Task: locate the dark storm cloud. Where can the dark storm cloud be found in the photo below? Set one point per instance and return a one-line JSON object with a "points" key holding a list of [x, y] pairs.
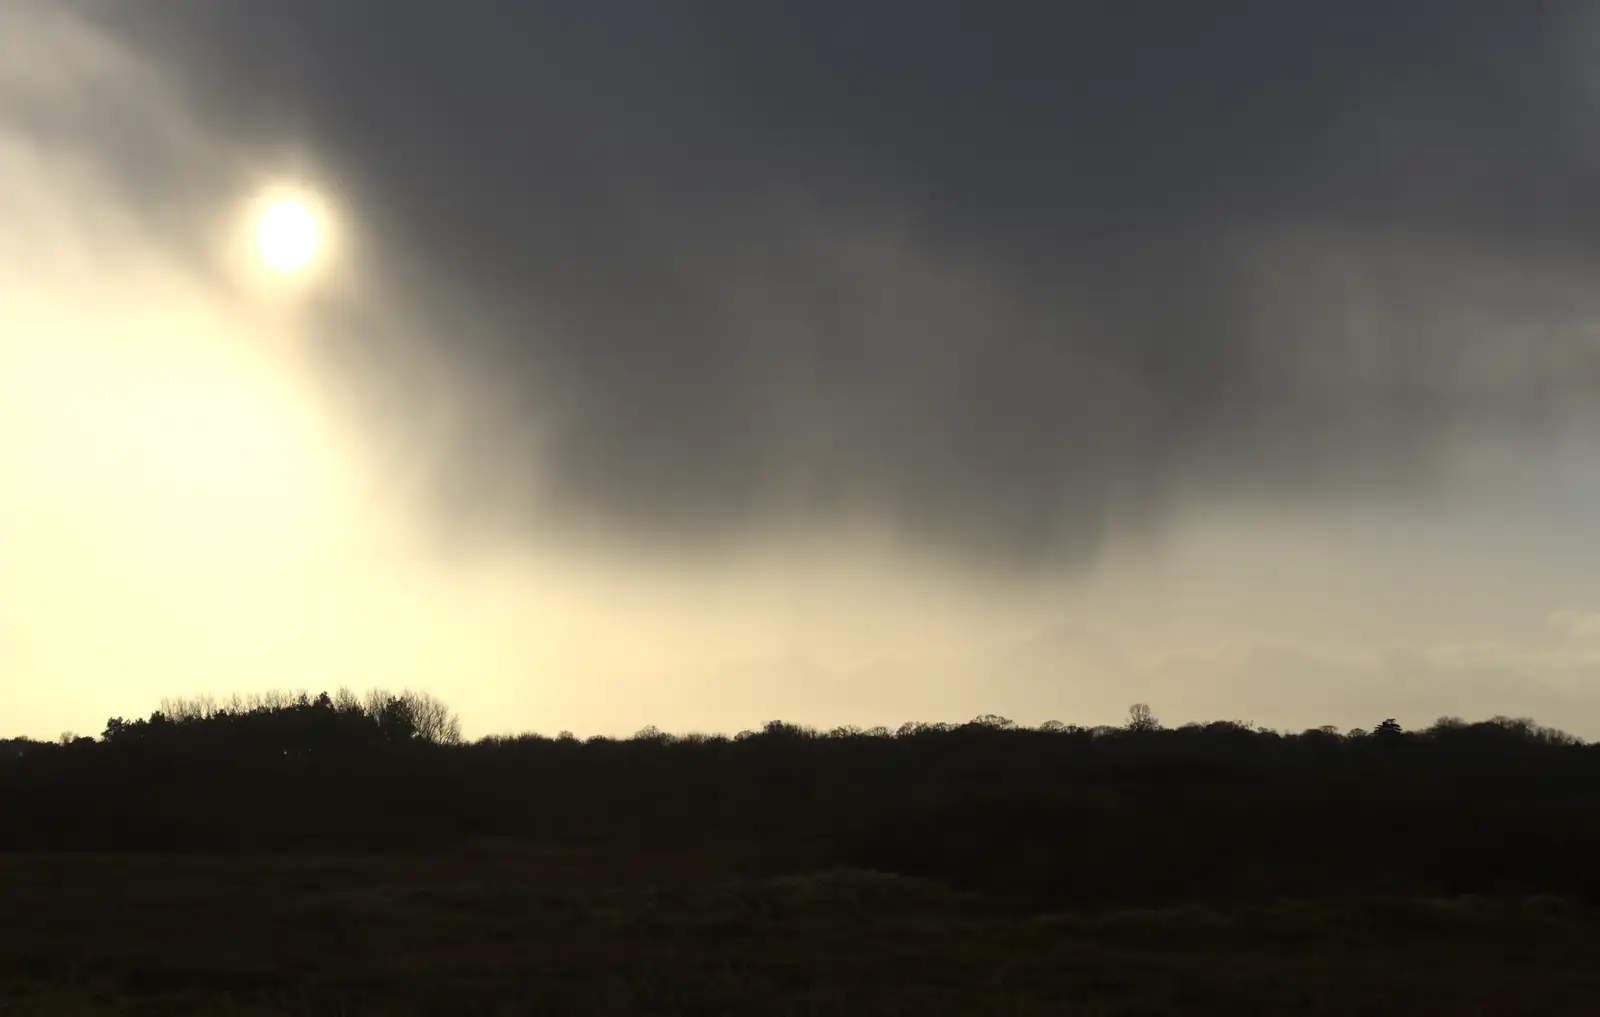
{"points": [[992, 274]]}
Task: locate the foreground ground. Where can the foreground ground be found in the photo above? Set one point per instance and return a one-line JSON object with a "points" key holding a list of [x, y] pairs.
{"points": [[597, 931]]}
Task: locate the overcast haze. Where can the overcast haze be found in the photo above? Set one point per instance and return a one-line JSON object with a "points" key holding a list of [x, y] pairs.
{"points": [[704, 363]]}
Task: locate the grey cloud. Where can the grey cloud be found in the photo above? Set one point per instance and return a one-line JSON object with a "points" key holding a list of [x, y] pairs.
{"points": [[993, 276]]}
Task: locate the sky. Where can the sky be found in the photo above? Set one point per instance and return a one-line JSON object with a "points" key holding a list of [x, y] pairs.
{"points": [[702, 364]]}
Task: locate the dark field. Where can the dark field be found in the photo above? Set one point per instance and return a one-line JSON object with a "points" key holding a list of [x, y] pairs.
{"points": [[315, 857], [603, 931]]}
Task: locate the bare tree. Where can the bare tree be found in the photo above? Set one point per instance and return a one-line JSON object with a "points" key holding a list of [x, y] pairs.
{"points": [[431, 719], [282, 699], [346, 701], [374, 700], [201, 707], [409, 714], [1141, 719]]}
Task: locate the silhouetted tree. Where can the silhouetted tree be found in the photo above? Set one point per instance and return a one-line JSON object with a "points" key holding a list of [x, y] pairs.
{"points": [[1389, 731], [1141, 719]]}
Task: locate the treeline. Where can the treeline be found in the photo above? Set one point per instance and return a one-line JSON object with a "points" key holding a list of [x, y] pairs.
{"points": [[1058, 814], [294, 722]]}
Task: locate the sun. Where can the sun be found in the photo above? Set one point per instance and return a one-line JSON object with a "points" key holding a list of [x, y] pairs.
{"points": [[288, 235]]}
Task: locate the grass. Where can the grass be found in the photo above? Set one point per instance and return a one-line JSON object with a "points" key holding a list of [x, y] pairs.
{"points": [[603, 931]]}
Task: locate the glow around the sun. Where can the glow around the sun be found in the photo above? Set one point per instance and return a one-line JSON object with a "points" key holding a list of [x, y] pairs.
{"points": [[287, 241], [288, 234]]}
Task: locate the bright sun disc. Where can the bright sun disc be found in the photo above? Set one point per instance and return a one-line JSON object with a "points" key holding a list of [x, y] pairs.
{"points": [[287, 235]]}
